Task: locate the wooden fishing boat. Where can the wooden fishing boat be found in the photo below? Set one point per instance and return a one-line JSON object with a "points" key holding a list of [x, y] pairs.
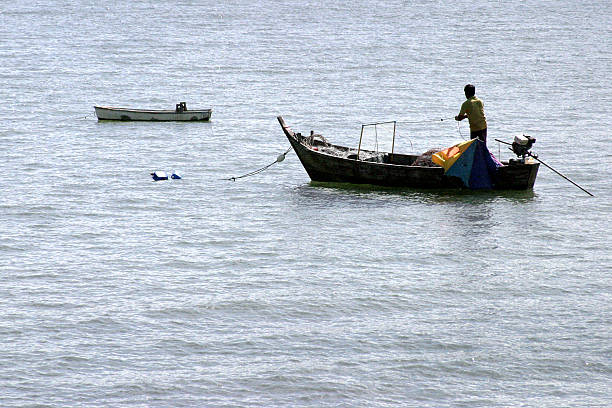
{"points": [[180, 113], [325, 162]]}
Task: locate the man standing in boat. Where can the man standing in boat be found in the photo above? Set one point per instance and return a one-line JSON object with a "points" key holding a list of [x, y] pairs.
{"points": [[473, 109]]}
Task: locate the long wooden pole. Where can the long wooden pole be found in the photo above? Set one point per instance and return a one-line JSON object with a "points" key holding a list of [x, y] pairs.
{"points": [[540, 160], [536, 157]]}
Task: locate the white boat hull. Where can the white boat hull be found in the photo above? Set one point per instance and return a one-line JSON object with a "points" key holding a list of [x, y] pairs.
{"points": [[125, 114]]}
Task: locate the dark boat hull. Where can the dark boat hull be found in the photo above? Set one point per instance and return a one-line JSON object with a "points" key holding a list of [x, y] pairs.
{"points": [[395, 171]]}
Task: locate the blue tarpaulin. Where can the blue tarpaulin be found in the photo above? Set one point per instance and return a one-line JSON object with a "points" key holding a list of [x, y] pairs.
{"points": [[471, 161]]}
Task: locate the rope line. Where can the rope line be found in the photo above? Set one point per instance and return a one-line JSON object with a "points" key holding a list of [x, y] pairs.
{"points": [[425, 121], [279, 159], [459, 130]]}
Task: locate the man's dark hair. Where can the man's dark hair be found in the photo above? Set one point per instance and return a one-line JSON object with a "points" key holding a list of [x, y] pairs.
{"points": [[470, 90]]}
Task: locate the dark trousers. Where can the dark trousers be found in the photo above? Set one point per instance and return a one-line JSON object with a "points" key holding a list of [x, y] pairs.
{"points": [[481, 134]]}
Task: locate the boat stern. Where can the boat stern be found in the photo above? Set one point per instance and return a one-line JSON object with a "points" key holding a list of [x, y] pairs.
{"points": [[517, 176]]}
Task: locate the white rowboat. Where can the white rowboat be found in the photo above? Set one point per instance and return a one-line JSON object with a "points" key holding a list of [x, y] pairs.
{"points": [[181, 113]]}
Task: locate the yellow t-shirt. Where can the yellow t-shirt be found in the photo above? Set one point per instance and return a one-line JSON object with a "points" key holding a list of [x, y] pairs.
{"points": [[474, 108]]}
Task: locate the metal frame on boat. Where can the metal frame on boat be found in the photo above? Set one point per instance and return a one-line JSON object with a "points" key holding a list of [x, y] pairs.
{"points": [[326, 162]]}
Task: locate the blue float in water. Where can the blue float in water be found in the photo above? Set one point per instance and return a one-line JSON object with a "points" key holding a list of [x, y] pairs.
{"points": [[175, 176], [159, 175]]}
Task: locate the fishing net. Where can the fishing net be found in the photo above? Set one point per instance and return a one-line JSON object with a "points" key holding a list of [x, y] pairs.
{"points": [[425, 159]]}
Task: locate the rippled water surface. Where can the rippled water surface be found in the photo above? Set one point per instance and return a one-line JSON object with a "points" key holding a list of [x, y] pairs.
{"points": [[271, 290]]}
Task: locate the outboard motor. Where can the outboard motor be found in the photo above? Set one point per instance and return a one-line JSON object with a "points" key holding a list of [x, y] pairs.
{"points": [[521, 145]]}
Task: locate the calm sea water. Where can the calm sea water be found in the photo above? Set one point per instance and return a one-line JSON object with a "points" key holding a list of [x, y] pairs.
{"points": [[272, 291]]}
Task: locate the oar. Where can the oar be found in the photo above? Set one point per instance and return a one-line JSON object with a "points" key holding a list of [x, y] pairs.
{"points": [[540, 160], [536, 157]]}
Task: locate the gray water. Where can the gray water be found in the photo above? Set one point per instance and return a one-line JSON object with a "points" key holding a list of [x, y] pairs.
{"points": [[271, 290]]}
